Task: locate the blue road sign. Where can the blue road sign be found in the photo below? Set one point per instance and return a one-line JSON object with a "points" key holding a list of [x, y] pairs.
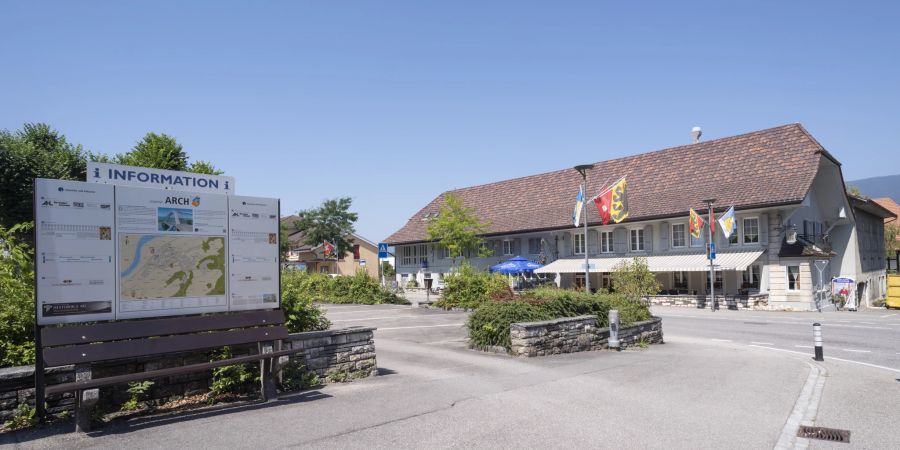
{"points": [[382, 250], [712, 250]]}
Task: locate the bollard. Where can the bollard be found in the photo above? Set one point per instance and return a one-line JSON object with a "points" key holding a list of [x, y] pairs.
{"points": [[817, 338], [614, 330]]}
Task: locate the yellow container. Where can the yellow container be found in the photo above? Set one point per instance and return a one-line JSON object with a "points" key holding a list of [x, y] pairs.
{"points": [[894, 291], [893, 281]]}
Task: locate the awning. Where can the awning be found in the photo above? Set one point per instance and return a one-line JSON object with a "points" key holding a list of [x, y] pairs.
{"points": [[737, 260]]}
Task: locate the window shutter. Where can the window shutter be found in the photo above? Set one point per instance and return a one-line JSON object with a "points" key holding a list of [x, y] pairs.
{"points": [[593, 242], [764, 230], [517, 246], [648, 238], [620, 240], [664, 229]]}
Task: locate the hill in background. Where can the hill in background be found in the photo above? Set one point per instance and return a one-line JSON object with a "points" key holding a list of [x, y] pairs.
{"points": [[875, 187]]}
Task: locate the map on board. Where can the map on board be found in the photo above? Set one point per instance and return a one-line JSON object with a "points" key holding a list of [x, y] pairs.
{"points": [[154, 266]]}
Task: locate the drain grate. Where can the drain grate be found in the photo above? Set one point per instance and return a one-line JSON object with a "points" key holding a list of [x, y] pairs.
{"points": [[825, 434]]}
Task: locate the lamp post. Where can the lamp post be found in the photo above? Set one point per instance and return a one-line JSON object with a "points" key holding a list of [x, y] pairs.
{"points": [[582, 169]]}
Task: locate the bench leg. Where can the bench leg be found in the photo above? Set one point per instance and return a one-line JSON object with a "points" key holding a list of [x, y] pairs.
{"points": [[268, 389], [84, 399]]}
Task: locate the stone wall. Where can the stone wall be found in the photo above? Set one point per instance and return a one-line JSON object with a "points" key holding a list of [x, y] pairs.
{"points": [[334, 355], [755, 302], [577, 334]]}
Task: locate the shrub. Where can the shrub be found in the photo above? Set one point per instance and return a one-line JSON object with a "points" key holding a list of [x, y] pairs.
{"points": [[24, 417], [634, 280], [469, 288], [137, 389], [230, 380], [489, 324], [299, 311], [316, 287], [16, 298], [295, 376]]}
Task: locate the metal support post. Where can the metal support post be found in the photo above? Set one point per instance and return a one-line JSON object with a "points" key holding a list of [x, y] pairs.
{"points": [[709, 247], [817, 339], [614, 330]]}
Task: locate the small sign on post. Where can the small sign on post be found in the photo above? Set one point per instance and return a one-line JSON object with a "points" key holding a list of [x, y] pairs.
{"points": [[712, 250], [382, 250]]}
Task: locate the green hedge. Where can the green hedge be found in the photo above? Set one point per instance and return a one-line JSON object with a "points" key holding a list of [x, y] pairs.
{"points": [[317, 287], [469, 288], [16, 298], [489, 323]]}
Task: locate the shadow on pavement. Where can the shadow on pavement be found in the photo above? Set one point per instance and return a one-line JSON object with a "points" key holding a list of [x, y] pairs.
{"points": [[382, 372], [139, 423]]}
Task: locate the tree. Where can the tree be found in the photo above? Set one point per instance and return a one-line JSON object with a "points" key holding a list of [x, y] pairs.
{"points": [[891, 242], [855, 192], [457, 228], [635, 280], [161, 151], [35, 151], [387, 269], [332, 222]]}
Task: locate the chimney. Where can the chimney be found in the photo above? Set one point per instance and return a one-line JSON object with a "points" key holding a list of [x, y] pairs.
{"points": [[695, 134]]}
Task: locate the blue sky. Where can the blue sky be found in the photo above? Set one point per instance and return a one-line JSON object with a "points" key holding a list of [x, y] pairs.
{"points": [[392, 103]]}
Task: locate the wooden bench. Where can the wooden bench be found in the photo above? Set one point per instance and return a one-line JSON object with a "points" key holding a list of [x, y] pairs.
{"points": [[84, 345]]}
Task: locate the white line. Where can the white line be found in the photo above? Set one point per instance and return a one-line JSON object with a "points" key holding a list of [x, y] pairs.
{"points": [[762, 343], [721, 340], [888, 315], [857, 351], [422, 326], [376, 318], [830, 357], [803, 346]]}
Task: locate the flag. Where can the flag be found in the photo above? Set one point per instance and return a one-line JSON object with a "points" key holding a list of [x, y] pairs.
{"points": [[712, 221], [327, 248], [729, 225], [618, 209], [695, 225], [604, 203], [579, 205]]}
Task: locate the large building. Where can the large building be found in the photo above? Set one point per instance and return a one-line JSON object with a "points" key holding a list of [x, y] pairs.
{"points": [[785, 187]]}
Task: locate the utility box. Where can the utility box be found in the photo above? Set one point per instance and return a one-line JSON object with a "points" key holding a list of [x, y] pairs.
{"points": [[893, 292]]}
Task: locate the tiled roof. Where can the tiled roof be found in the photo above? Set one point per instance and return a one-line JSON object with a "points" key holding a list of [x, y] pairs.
{"points": [[890, 205], [768, 167], [297, 238]]}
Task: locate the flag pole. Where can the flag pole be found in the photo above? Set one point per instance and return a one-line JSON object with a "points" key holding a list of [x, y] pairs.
{"points": [[582, 169], [709, 248]]}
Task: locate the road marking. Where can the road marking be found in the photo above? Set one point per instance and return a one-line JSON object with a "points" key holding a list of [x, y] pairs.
{"points": [[721, 340], [857, 351], [422, 326], [803, 346], [888, 315], [376, 318], [830, 357], [762, 343]]}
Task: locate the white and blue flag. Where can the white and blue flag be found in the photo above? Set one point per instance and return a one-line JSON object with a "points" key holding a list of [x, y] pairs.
{"points": [[579, 205]]}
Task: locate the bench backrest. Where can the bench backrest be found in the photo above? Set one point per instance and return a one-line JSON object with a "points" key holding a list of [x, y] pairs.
{"points": [[75, 344]]}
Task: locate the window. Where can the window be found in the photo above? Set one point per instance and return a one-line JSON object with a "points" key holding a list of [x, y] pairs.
{"points": [[579, 244], [414, 255], [579, 281], [751, 230], [356, 251], [680, 280], [718, 280], [445, 253], [534, 246], [637, 240], [733, 239], [678, 235], [700, 241], [606, 281], [793, 275], [751, 278], [509, 247], [606, 242]]}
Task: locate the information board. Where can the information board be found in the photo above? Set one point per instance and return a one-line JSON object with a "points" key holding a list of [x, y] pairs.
{"points": [[74, 251], [171, 247], [119, 252], [253, 249]]}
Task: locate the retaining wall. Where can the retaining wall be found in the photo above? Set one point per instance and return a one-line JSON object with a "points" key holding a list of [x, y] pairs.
{"points": [[754, 302], [577, 334], [342, 354]]}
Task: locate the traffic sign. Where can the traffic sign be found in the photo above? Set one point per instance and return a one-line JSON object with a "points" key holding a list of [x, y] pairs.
{"points": [[382, 250], [712, 250]]}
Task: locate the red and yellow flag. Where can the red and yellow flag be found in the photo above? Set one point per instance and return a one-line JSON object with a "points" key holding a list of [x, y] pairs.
{"points": [[695, 224], [612, 203]]}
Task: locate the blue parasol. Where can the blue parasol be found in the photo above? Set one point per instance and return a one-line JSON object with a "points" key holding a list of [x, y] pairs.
{"points": [[515, 265]]}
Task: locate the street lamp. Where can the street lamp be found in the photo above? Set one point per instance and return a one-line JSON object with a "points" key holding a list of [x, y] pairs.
{"points": [[582, 169]]}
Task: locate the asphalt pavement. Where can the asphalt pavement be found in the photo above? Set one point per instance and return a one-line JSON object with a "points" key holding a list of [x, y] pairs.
{"points": [[433, 392]]}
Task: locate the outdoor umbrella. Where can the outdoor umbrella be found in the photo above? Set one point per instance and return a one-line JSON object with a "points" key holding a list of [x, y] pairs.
{"points": [[515, 265]]}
